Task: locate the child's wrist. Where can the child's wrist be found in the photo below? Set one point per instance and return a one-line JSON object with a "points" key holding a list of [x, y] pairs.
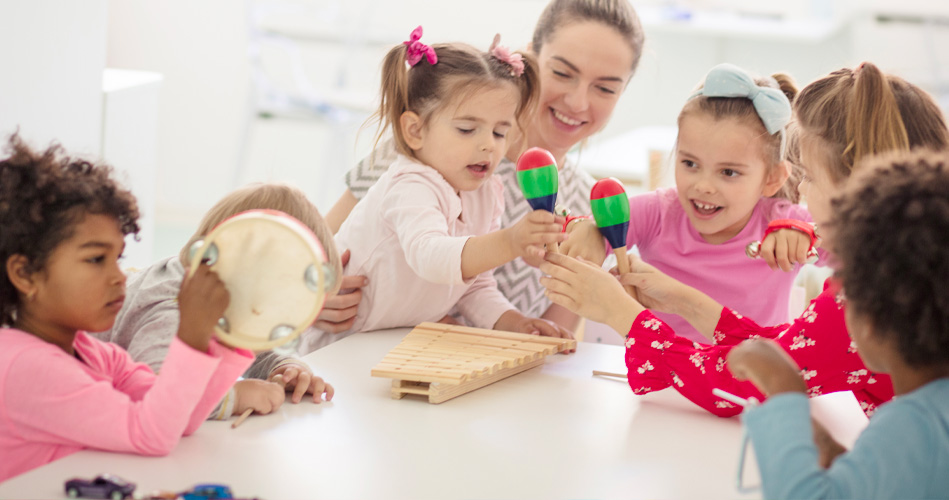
{"points": [[569, 219]]}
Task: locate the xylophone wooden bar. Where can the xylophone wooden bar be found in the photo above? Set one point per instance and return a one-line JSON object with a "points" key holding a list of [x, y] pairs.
{"points": [[445, 361]]}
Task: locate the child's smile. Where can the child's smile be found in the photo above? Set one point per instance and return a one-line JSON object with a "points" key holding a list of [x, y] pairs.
{"points": [[705, 210]]}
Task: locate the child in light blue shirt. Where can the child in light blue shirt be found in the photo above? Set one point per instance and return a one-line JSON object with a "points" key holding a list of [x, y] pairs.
{"points": [[890, 232]]}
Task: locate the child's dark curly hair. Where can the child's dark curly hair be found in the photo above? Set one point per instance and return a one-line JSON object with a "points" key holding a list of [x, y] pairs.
{"points": [[891, 234], [42, 196]]}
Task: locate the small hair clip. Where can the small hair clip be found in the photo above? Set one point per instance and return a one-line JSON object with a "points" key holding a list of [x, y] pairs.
{"points": [[415, 50], [503, 54]]}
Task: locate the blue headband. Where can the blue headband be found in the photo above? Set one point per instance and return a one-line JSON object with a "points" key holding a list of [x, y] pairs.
{"points": [[728, 80]]}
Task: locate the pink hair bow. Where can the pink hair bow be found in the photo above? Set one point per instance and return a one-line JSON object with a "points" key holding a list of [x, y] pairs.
{"points": [[503, 54], [415, 49]]}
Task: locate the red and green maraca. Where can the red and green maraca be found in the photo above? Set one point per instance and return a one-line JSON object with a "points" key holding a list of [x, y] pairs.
{"points": [[538, 180], [610, 207]]}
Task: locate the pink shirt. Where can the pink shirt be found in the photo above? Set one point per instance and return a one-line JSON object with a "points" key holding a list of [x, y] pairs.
{"points": [[52, 404], [661, 230], [406, 235]]}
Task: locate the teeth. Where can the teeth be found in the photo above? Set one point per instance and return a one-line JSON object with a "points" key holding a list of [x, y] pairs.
{"points": [[703, 206], [568, 121]]}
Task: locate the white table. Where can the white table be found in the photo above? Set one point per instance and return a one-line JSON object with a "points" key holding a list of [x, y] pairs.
{"points": [[550, 432]]}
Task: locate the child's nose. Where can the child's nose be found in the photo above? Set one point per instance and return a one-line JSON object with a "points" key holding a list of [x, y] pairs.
{"points": [[705, 185]]}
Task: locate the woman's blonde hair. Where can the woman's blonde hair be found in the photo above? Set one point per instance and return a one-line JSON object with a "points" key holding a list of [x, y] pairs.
{"points": [[616, 14], [270, 196], [855, 113]]}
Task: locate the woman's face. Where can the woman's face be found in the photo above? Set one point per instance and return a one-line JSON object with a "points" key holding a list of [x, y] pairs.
{"points": [[584, 68]]}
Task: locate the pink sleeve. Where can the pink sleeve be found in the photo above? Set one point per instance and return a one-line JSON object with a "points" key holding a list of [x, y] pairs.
{"points": [[63, 404], [234, 362], [483, 304], [644, 218], [412, 211]]}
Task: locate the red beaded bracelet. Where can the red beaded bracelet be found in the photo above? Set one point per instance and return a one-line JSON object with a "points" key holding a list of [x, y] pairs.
{"points": [[571, 218], [798, 225]]}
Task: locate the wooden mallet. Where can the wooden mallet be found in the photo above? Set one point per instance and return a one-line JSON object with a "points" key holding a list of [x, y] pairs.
{"points": [[537, 177], [610, 207]]}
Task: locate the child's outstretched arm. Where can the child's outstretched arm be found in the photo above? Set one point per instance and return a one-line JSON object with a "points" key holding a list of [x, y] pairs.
{"points": [[526, 239], [589, 291]]}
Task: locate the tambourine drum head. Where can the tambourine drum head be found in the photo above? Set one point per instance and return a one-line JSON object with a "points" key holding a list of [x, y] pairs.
{"points": [[265, 259]]}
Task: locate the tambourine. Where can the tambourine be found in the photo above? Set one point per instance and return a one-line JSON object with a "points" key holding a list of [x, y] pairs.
{"points": [[276, 273]]}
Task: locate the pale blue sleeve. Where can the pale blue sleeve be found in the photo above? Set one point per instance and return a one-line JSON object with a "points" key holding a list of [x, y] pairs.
{"points": [[893, 458]]}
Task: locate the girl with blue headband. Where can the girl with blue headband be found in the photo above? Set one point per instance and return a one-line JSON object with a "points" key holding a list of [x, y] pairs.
{"points": [[731, 176]]}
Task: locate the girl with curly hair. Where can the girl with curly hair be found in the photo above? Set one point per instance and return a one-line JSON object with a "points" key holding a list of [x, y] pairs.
{"points": [[63, 223]]}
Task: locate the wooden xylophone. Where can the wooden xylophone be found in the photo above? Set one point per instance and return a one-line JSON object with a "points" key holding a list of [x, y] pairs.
{"points": [[446, 361]]}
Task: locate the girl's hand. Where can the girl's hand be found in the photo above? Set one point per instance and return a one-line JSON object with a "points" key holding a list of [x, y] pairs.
{"points": [[202, 301], [827, 448], [514, 321], [529, 236], [339, 311], [784, 248], [585, 241], [658, 291], [301, 381], [768, 366], [589, 291], [260, 395]]}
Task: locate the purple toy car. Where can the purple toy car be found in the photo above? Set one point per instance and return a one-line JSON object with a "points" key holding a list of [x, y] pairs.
{"points": [[103, 486]]}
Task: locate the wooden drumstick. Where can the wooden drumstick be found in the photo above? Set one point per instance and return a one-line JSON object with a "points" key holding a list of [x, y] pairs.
{"points": [[609, 374], [610, 207], [240, 420], [538, 179], [278, 378]]}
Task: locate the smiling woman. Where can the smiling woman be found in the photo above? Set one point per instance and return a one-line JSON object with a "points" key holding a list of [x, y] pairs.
{"points": [[587, 51]]}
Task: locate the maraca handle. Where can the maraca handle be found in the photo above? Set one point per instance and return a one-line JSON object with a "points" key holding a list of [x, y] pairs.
{"points": [[622, 263]]}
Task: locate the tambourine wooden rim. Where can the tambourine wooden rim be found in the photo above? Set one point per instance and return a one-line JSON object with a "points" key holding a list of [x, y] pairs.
{"points": [[318, 259]]}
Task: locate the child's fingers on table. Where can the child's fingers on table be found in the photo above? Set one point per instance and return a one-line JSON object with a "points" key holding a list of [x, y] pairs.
{"points": [[301, 387], [328, 390]]}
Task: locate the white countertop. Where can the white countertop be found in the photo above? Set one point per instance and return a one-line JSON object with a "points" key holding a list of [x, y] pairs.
{"points": [[551, 432]]}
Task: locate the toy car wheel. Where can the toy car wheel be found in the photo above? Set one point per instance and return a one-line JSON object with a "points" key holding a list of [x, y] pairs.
{"points": [[117, 495], [72, 493]]}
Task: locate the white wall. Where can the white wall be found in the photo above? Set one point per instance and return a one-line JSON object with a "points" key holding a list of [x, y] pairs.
{"points": [[201, 49], [52, 53]]}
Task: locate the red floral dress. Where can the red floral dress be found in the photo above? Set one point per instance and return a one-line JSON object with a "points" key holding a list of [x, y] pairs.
{"points": [[818, 341]]}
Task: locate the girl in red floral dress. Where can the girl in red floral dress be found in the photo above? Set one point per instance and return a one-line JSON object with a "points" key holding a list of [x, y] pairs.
{"points": [[843, 117]]}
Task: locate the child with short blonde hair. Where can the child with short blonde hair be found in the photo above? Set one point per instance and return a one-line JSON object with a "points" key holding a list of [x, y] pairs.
{"points": [[146, 325]]}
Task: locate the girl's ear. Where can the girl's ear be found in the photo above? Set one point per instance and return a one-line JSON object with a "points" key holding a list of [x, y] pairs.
{"points": [[776, 178], [413, 129], [18, 271]]}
